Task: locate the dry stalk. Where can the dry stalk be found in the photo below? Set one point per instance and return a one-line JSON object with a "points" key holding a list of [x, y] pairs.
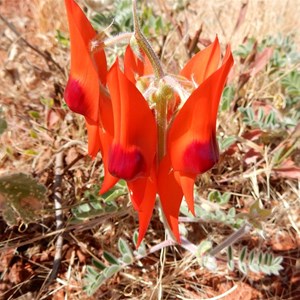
{"points": [[46, 55]]}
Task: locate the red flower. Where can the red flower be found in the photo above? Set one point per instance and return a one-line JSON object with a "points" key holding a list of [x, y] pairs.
{"points": [[192, 147], [84, 92], [121, 117]]}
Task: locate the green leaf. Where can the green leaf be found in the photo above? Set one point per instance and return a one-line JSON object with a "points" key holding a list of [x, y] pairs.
{"points": [[230, 265], [3, 125], [110, 258], [270, 120], [231, 212], [98, 264], [291, 83], [203, 247], [111, 271], [261, 115], [251, 256], [210, 263], [91, 272], [227, 97], [243, 254], [34, 114], [127, 259], [112, 195], [226, 142], [30, 152], [229, 253], [278, 260], [242, 267], [62, 39], [135, 238], [254, 267], [92, 285], [260, 258], [21, 198], [124, 248], [49, 102], [33, 134]]}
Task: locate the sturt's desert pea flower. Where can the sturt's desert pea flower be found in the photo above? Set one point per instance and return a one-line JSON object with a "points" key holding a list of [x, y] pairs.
{"points": [[156, 131]]}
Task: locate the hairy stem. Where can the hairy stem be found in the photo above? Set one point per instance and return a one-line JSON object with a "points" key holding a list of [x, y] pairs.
{"points": [[145, 46], [231, 239]]}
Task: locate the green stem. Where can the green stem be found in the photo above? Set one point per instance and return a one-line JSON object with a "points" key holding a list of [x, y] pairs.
{"points": [[161, 99], [161, 108], [231, 239], [145, 46]]}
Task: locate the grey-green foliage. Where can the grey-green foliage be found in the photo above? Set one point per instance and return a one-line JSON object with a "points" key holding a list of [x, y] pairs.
{"points": [[218, 215], [99, 272], [121, 16], [61, 39], [291, 87], [285, 51], [227, 97], [285, 55], [255, 261], [245, 49], [96, 205], [291, 84], [204, 259], [217, 197], [262, 120], [21, 198], [226, 141], [3, 123]]}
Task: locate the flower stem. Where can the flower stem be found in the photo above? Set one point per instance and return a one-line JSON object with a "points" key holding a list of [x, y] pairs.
{"points": [[144, 44], [231, 239], [161, 109], [161, 99]]}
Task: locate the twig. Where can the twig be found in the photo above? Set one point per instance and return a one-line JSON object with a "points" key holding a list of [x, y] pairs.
{"points": [[231, 239], [58, 171], [58, 215], [46, 55]]}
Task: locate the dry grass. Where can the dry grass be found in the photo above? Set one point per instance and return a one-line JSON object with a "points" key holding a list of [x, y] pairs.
{"points": [[30, 145]]}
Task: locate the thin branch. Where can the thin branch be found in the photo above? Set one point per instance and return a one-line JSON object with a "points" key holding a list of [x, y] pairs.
{"points": [[231, 239], [46, 55], [58, 214]]}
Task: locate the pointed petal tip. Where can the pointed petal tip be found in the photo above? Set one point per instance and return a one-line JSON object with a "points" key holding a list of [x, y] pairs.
{"points": [[143, 197], [108, 182], [140, 239], [187, 181]]}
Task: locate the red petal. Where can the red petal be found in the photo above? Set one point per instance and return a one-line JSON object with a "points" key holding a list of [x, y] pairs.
{"points": [[109, 180], [106, 133], [133, 120], [94, 143], [192, 141], [203, 64], [127, 163], [187, 186], [170, 194], [82, 91], [135, 67], [142, 195]]}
